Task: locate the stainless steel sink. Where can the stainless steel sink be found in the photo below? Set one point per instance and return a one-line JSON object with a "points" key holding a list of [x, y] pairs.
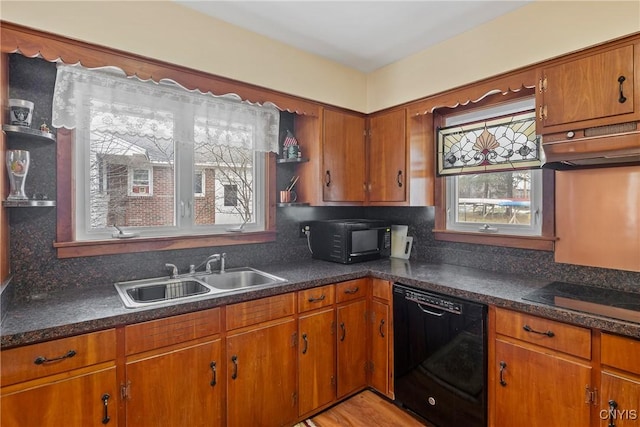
{"points": [[140, 293], [162, 290], [239, 278]]}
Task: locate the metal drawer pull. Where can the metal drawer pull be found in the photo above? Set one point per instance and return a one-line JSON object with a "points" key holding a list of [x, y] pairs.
{"points": [[40, 360], [352, 290], [399, 179], [344, 331], [327, 178], [528, 328], [105, 403], [612, 410], [306, 344], [320, 298], [503, 366], [212, 365], [380, 328], [234, 359], [622, 98]]}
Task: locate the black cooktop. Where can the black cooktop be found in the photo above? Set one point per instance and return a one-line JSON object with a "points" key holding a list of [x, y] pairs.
{"points": [[590, 299]]}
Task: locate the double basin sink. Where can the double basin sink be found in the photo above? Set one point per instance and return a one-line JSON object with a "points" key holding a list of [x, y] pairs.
{"points": [[145, 292]]}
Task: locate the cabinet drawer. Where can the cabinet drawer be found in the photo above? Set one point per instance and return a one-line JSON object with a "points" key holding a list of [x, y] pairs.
{"points": [[620, 352], [52, 357], [544, 332], [311, 299], [260, 310], [172, 330], [351, 289]]}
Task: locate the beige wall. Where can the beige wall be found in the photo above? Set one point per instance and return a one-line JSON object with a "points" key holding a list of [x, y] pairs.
{"points": [[532, 33], [170, 32]]}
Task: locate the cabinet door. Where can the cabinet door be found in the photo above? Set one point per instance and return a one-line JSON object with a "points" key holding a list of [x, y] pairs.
{"points": [[84, 400], [619, 401], [352, 352], [176, 388], [588, 88], [540, 388], [387, 158], [261, 376], [343, 157], [316, 360], [380, 373]]}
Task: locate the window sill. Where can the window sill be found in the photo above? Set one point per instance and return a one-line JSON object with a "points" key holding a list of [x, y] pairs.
{"points": [[539, 243], [77, 249]]}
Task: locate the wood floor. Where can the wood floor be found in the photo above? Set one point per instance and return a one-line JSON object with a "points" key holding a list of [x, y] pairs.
{"points": [[365, 410]]}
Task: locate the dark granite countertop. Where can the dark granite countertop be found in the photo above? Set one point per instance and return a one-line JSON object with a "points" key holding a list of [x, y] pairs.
{"points": [[91, 308]]}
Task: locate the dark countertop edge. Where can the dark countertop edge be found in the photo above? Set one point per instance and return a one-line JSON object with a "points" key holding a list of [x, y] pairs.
{"points": [[333, 275]]}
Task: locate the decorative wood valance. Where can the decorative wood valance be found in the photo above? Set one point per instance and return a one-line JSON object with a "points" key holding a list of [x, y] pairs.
{"points": [[507, 84], [31, 43]]}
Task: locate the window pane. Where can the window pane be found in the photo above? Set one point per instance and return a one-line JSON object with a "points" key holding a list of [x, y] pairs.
{"points": [[229, 195], [131, 169], [494, 198]]}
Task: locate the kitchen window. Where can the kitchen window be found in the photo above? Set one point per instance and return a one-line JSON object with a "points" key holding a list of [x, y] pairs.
{"points": [[143, 151], [489, 166]]}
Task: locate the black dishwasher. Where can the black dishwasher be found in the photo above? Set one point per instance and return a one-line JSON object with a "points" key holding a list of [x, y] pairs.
{"points": [[440, 357]]}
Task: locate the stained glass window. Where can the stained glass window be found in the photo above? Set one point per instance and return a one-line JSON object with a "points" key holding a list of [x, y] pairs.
{"points": [[502, 144]]}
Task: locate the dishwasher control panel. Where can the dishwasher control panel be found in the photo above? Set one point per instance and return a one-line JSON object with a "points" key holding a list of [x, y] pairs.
{"points": [[435, 301]]}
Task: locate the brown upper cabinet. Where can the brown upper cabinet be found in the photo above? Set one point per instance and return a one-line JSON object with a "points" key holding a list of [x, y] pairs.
{"points": [[387, 155], [343, 157], [591, 89]]}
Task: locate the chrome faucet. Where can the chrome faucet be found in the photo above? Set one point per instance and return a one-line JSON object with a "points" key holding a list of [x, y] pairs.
{"points": [[174, 270], [213, 258]]}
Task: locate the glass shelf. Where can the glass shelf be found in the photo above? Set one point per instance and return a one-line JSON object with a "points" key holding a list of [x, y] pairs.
{"points": [[26, 132], [28, 203], [282, 205], [296, 160]]}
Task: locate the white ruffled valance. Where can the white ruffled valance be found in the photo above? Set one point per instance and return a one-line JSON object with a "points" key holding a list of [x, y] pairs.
{"points": [[106, 100]]}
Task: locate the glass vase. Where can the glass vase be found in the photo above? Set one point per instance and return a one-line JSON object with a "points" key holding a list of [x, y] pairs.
{"points": [[17, 167]]}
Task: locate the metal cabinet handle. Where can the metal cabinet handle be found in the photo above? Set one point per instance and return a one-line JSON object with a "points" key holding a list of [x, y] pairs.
{"points": [[380, 328], [327, 178], [234, 360], [344, 331], [320, 298], [105, 404], [306, 344], [612, 410], [528, 328], [352, 291], [503, 366], [214, 375], [40, 360], [399, 178], [622, 98]]}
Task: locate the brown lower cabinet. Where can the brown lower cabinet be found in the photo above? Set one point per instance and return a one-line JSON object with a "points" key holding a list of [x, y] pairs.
{"points": [[70, 382]]}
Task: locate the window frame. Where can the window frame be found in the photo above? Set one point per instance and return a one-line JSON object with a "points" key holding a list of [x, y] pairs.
{"points": [[203, 183], [67, 247], [131, 181], [544, 242]]}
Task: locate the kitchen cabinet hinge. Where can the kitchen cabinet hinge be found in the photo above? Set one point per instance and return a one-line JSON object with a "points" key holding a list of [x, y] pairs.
{"points": [[542, 84], [124, 390], [590, 396]]}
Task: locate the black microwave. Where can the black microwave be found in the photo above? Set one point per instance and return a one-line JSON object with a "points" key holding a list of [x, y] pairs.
{"points": [[350, 240]]}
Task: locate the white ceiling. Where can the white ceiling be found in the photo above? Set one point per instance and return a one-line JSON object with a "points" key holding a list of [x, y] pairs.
{"points": [[364, 35]]}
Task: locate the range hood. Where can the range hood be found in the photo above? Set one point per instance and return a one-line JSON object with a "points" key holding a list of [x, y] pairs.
{"points": [[613, 145]]}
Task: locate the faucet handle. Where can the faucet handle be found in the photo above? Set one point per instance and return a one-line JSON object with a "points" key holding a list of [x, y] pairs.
{"points": [[174, 269]]}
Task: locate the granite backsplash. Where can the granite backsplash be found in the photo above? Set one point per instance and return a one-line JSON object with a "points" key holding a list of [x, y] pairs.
{"points": [[36, 269]]}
